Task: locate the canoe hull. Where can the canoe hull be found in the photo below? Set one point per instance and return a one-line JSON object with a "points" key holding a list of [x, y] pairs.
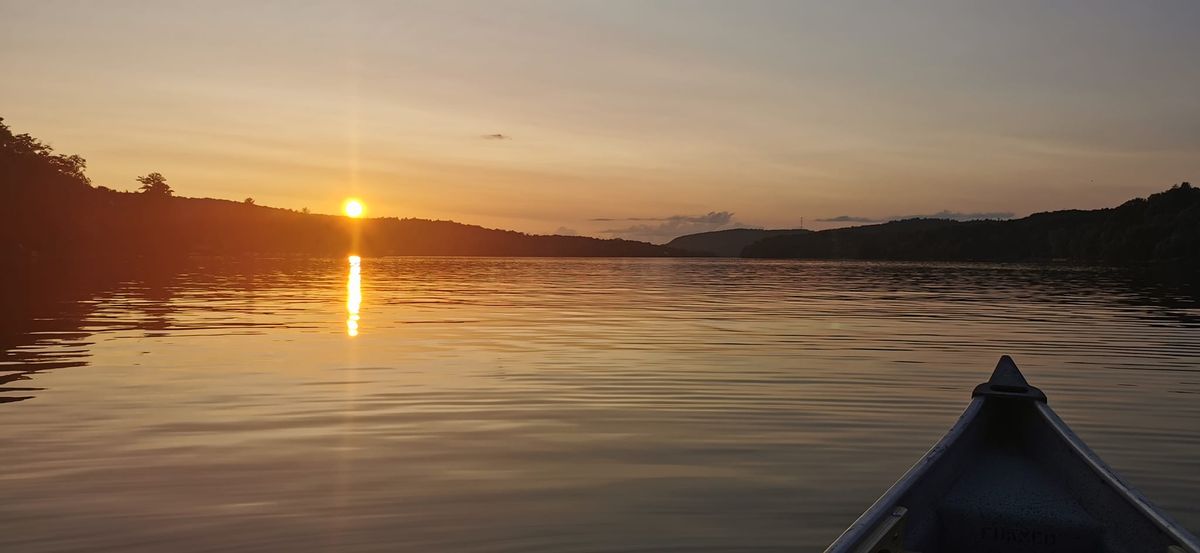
{"points": [[1011, 476]]}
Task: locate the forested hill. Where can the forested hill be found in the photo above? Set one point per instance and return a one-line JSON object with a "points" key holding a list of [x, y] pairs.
{"points": [[1164, 227], [725, 243], [49, 207]]}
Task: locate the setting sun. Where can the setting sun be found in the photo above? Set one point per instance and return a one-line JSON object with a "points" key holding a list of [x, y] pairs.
{"points": [[353, 208]]}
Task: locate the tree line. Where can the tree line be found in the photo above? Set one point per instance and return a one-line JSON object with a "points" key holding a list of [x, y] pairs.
{"points": [[1162, 228], [49, 207]]}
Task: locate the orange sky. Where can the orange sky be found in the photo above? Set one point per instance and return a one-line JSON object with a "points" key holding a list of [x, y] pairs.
{"points": [[638, 119]]}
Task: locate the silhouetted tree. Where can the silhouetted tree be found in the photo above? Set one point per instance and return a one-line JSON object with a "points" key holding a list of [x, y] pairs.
{"points": [[25, 159], [155, 184], [248, 201], [304, 211]]}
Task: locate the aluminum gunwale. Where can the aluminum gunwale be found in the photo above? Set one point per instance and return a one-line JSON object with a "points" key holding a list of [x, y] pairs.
{"points": [[850, 540], [1114, 481]]}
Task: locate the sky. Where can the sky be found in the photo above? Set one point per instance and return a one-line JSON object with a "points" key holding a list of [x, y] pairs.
{"points": [[640, 119]]}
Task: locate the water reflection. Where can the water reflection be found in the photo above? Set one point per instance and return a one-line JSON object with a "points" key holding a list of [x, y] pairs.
{"points": [[353, 295], [552, 405]]}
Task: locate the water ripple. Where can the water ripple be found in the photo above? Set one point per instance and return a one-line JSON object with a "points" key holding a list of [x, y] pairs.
{"points": [[494, 405]]}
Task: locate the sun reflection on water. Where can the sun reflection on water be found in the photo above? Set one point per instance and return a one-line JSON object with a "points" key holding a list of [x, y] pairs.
{"points": [[353, 296]]}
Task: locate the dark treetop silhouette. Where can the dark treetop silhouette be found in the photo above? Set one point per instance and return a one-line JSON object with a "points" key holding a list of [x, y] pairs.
{"points": [[48, 207]]}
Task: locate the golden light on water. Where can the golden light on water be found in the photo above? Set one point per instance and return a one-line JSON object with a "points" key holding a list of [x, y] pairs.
{"points": [[353, 296], [354, 209]]}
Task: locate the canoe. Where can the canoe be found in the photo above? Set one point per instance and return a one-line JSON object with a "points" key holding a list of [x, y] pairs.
{"points": [[1010, 476]]}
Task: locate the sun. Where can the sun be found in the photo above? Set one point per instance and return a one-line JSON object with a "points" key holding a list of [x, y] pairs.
{"points": [[353, 208]]}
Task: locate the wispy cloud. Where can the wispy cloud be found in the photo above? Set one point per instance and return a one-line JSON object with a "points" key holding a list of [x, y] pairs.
{"points": [[720, 217], [496, 136], [564, 231], [663, 229]]}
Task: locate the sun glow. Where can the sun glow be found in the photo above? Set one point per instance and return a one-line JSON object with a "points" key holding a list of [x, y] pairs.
{"points": [[353, 208]]}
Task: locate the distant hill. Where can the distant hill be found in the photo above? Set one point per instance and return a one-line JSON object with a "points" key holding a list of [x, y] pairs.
{"points": [[49, 207], [1164, 227], [726, 243]]}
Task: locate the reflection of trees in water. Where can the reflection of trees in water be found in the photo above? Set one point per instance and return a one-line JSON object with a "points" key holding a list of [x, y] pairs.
{"points": [[153, 292], [41, 307], [46, 306], [50, 310], [1173, 292]]}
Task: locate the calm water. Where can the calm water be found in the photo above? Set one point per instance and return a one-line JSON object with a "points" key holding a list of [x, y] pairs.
{"points": [[457, 404]]}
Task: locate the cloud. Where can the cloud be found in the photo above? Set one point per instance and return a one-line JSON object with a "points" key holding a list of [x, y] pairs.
{"points": [[564, 231], [663, 229], [496, 136], [943, 214], [720, 217]]}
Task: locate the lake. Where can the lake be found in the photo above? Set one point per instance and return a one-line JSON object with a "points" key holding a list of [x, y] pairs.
{"points": [[505, 405]]}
